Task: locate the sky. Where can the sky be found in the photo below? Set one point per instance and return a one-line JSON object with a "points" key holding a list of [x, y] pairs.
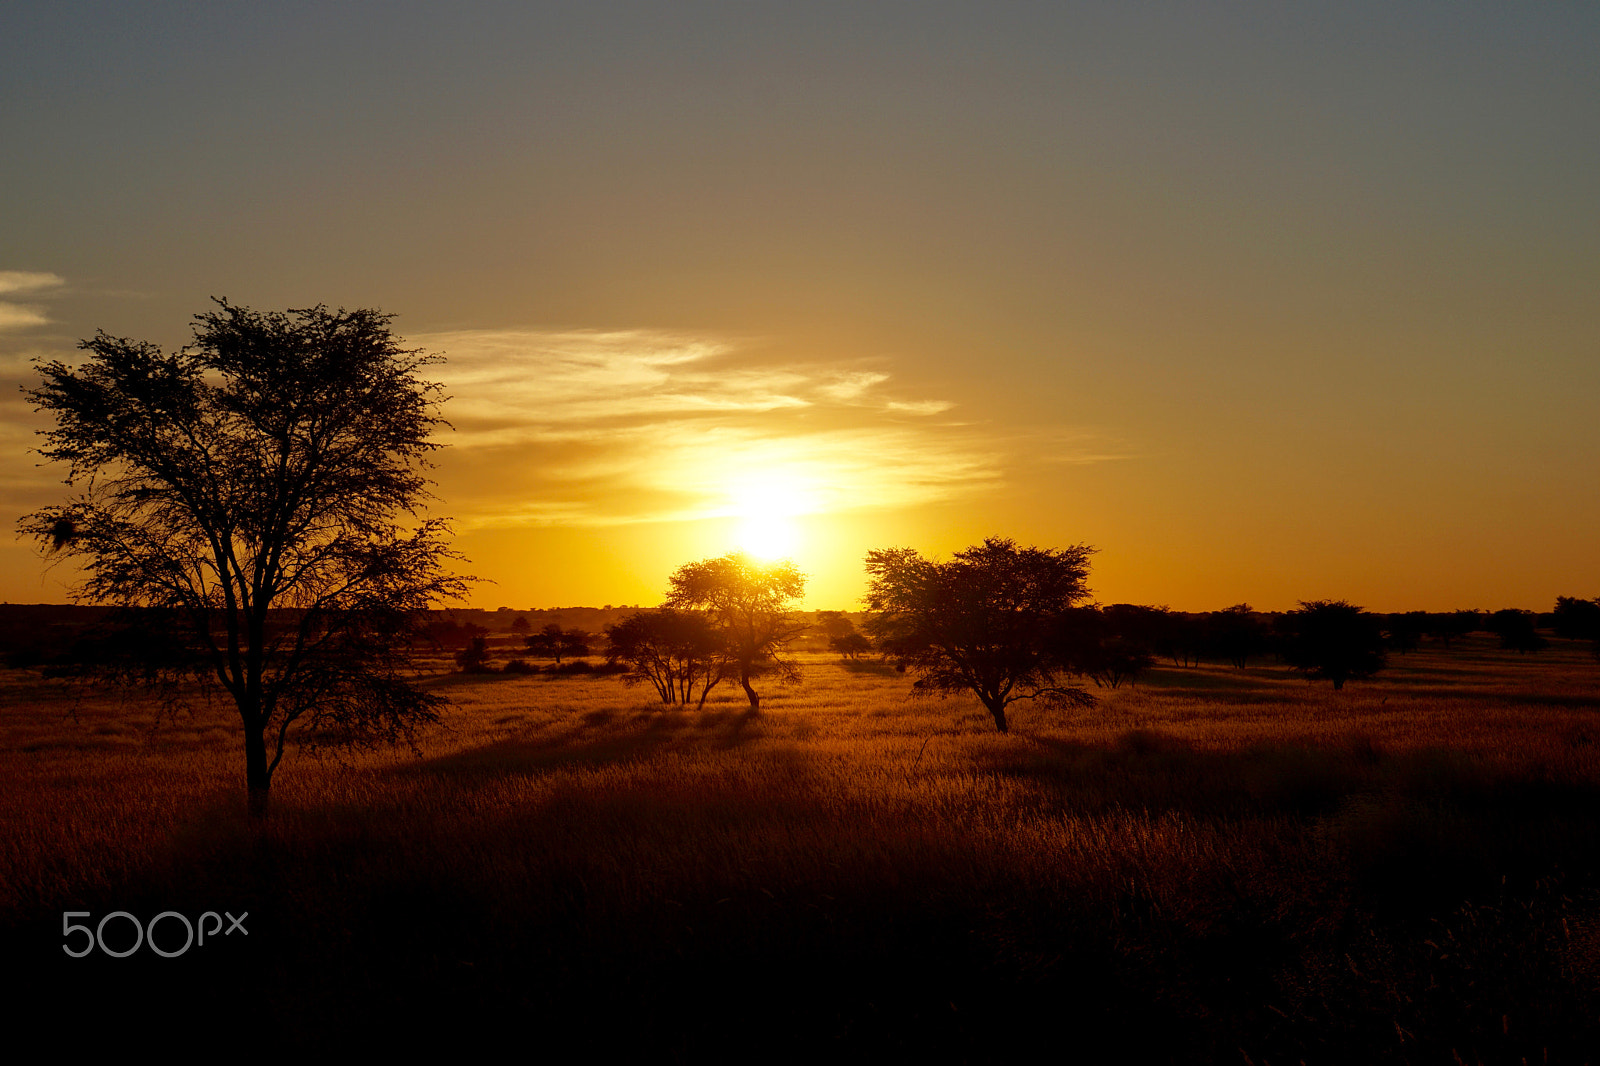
{"points": [[1267, 302]]}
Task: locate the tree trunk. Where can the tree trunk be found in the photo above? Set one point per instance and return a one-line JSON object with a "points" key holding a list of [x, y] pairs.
{"points": [[258, 780], [750, 693], [999, 711]]}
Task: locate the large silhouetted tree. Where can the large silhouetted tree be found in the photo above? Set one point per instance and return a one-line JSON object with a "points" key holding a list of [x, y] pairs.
{"points": [[751, 603], [1334, 640], [990, 621], [260, 492]]}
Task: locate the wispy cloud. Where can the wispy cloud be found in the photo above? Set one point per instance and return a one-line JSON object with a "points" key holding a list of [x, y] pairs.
{"points": [[24, 283], [620, 427]]}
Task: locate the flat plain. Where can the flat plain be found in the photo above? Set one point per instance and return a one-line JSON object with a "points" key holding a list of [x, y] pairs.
{"points": [[1213, 865]]}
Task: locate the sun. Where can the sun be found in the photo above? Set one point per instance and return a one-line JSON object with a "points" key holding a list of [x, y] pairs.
{"points": [[766, 527], [767, 536]]}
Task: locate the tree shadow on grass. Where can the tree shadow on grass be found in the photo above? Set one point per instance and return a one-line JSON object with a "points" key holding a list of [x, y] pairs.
{"points": [[868, 667], [599, 738], [1415, 829], [1183, 681]]}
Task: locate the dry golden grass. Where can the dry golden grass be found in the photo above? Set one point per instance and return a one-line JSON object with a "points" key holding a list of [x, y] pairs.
{"points": [[1213, 862]]}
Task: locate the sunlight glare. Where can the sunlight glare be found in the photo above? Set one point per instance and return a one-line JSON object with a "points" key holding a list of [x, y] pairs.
{"points": [[767, 527]]}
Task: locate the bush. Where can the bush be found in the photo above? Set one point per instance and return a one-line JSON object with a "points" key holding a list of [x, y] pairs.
{"points": [[474, 658]]}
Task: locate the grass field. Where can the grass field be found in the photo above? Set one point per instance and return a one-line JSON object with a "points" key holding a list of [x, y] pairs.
{"points": [[1215, 866]]}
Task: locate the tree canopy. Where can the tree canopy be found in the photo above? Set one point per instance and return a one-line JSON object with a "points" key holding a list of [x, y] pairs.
{"points": [[680, 653], [554, 642], [993, 620], [751, 603], [263, 490], [1333, 640]]}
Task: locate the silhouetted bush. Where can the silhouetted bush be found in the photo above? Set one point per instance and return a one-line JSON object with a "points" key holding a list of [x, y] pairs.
{"points": [[1445, 626], [448, 633], [1517, 631], [474, 658], [1576, 619], [1233, 635], [1108, 645], [519, 666], [851, 645], [1403, 632], [554, 642]]}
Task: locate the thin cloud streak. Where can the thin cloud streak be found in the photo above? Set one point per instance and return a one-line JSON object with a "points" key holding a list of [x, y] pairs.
{"points": [[21, 316], [26, 281], [615, 428], [22, 283]]}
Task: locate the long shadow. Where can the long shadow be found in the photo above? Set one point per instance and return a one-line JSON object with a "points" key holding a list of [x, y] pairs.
{"points": [[1182, 680], [1538, 699], [868, 667], [596, 739], [1416, 826]]}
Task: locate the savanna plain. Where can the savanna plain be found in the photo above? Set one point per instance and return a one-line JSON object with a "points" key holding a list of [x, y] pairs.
{"points": [[1215, 865]]}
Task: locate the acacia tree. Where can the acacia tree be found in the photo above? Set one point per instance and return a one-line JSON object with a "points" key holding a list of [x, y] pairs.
{"points": [[552, 642], [751, 604], [1517, 630], [679, 652], [1333, 639], [1233, 634], [993, 620], [842, 635], [261, 491]]}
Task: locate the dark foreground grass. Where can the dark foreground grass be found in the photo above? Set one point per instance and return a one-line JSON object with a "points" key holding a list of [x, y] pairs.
{"points": [[1214, 867]]}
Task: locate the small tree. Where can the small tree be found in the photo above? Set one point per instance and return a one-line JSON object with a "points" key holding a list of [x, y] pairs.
{"points": [[989, 621], [1333, 639], [1446, 626], [1404, 631], [553, 642], [1577, 619], [1233, 634], [851, 645], [679, 652], [834, 624], [751, 605], [1517, 631], [449, 632], [842, 635], [1105, 644], [474, 658], [260, 492]]}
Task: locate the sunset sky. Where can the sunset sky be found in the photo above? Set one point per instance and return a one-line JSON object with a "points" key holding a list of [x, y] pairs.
{"points": [[1266, 301]]}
